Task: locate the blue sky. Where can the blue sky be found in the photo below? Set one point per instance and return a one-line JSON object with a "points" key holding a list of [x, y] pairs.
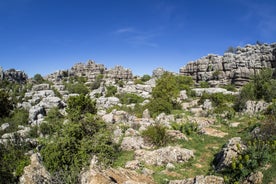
{"points": [[43, 36]]}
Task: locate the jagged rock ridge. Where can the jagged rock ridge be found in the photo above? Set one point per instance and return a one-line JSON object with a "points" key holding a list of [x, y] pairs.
{"points": [[232, 68], [13, 75], [91, 70]]}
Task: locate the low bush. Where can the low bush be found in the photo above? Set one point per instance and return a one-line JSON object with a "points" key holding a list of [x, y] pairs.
{"points": [[111, 91], [156, 134]]}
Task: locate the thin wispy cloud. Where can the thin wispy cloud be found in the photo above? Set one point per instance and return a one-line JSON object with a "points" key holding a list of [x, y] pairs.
{"points": [[138, 38], [125, 30]]}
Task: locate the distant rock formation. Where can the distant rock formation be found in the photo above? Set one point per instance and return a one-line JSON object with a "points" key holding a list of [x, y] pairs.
{"points": [[13, 75], [232, 68], [91, 70]]}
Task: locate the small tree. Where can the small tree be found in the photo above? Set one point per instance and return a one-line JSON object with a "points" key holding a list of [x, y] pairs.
{"points": [[77, 106], [6, 104], [38, 79]]}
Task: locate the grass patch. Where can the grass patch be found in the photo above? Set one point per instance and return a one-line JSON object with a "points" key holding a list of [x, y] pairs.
{"points": [[123, 158], [270, 173]]}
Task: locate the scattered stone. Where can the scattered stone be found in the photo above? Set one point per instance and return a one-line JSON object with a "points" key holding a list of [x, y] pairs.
{"points": [[176, 134], [170, 166]]}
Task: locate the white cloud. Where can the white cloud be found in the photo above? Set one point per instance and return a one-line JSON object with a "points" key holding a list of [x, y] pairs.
{"points": [[136, 37]]}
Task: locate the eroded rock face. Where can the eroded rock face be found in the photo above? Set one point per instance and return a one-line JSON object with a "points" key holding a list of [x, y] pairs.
{"points": [[35, 172], [163, 156], [253, 107], [200, 180], [231, 150], [232, 68], [13, 75], [120, 175]]}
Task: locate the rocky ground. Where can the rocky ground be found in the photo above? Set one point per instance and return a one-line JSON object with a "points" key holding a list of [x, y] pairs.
{"points": [[199, 152]]}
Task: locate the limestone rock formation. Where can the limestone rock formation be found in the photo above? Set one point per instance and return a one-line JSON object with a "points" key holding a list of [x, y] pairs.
{"points": [[13, 75], [200, 179], [231, 150], [119, 73], [35, 172], [164, 155], [232, 68]]}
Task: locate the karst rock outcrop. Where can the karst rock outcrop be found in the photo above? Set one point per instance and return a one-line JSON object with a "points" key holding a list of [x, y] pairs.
{"points": [[232, 68]]}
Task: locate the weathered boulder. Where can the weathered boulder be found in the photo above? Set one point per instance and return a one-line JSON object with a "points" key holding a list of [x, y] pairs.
{"points": [[51, 101], [163, 156], [254, 178], [158, 72], [41, 87], [230, 151], [200, 180], [132, 143], [200, 91], [94, 175], [253, 107], [35, 172], [35, 111], [106, 102]]}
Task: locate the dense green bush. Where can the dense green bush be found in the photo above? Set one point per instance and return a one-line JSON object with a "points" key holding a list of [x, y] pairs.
{"points": [[156, 134], [13, 160], [6, 104], [262, 86], [111, 91], [78, 88], [76, 144], [38, 79], [145, 78], [79, 105], [129, 98], [217, 99]]}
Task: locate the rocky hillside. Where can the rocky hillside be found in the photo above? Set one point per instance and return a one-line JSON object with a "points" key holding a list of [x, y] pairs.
{"points": [[232, 68], [89, 124]]}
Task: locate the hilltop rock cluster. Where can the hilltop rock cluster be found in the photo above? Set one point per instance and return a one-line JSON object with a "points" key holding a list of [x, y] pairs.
{"points": [[13, 75], [232, 68], [91, 70]]}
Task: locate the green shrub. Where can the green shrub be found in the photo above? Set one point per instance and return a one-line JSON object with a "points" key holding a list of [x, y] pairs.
{"points": [[76, 144], [204, 84], [145, 78], [186, 128], [78, 88], [156, 134], [38, 79], [78, 106], [217, 99], [111, 91], [6, 104], [129, 98], [97, 83]]}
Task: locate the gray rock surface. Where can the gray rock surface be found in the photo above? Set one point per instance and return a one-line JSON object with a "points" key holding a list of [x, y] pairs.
{"points": [[253, 107], [13, 75], [231, 150], [132, 143], [35, 172], [200, 180], [235, 68], [163, 156]]}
